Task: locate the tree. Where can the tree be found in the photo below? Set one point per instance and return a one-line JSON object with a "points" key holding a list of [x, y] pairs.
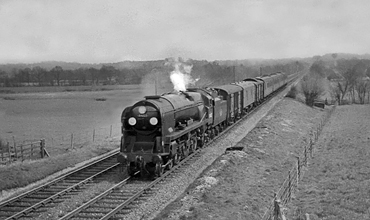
{"points": [[335, 93], [57, 71], [108, 73], [312, 87], [38, 73], [361, 87], [318, 67]]}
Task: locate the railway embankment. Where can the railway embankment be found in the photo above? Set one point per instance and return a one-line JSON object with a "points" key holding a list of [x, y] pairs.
{"points": [[337, 182], [20, 177], [241, 184]]}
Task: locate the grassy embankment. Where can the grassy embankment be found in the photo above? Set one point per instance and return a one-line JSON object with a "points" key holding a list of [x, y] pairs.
{"points": [[20, 174]]}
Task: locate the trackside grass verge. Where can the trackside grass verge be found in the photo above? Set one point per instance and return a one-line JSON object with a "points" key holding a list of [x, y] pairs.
{"points": [[21, 174]]}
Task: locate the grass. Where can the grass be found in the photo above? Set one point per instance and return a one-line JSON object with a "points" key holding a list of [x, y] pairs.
{"points": [[23, 173]]}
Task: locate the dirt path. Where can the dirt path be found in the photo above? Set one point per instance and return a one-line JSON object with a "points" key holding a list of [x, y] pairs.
{"points": [[241, 184], [337, 183]]}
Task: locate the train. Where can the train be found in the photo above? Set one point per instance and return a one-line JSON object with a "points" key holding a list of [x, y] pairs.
{"points": [[161, 130]]}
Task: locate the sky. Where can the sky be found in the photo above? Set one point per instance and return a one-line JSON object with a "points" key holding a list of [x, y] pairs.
{"points": [[102, 31]]}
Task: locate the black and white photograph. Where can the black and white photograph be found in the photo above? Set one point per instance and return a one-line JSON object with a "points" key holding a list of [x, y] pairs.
{"points": [[185, 110]]}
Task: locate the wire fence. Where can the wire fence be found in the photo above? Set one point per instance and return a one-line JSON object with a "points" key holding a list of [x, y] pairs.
{"points": [[79, 139], [14, 150], [290, 184]]}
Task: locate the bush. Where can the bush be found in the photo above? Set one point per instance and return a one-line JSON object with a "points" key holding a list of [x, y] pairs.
{"points": [[292, 92], [2, 144], [312, 88]]}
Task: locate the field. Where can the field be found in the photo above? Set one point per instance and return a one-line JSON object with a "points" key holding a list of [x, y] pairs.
{"points": [[33, 113], [337, 182], [241, 184], [55, 113]]}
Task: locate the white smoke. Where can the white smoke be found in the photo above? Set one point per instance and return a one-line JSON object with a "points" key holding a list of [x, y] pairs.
{"points": [[181, 75]]}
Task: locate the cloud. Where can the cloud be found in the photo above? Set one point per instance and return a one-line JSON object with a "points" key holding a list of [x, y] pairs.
{"points": [[109, 31]]}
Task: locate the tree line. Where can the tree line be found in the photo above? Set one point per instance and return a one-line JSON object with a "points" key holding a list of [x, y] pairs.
{"points": [[209, 73], [348, 80], [57, 76]]}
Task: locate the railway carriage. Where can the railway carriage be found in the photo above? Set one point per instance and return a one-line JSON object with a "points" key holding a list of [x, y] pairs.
{"points": [[260, 88], [249, 94], [233, 95]]}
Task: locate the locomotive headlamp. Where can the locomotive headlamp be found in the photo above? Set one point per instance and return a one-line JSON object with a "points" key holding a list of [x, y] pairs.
{"points": [[153, 121], [142, 110], [132, 121]]}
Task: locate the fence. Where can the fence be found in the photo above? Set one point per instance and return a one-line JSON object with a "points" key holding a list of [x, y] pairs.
{"points": [[79, 139], [11, 153], [56, 144], [284, 194]]}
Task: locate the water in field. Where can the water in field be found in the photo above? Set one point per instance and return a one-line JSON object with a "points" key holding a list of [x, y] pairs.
{"points": [[31, 116]]}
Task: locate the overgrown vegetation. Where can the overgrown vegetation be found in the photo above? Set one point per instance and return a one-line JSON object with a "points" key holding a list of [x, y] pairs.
{"points": [[292, 92], [312, 87], [2, 144], [349, 78]]}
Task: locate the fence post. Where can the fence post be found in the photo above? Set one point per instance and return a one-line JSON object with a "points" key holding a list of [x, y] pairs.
{"points": [[42, 146], [298, 171], [305, 156], [72, 147], [31, 150], [110, 133], [10, 156], [15, 148], [289, 186], [94, 135], [22, 152]]}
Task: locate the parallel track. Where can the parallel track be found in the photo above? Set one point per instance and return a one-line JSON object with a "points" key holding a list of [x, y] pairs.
{"points": [[29, 204], [116, 201]]}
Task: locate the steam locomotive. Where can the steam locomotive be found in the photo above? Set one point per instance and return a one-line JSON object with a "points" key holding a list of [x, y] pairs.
{"points": [[161, 130]]}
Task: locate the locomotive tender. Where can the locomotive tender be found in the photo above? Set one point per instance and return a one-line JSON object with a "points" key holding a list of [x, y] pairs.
{"points": [[159, 131]]}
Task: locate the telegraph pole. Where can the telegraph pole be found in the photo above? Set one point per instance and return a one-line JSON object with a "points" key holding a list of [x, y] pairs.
{"points": [[156, 79], [260, 70], [234, 74]]}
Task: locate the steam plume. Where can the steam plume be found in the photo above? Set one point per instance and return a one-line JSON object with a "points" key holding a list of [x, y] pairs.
{"points": [[181, 75]]}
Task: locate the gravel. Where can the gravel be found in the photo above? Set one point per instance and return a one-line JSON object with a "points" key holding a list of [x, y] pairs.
{"points": [[170, 190]]}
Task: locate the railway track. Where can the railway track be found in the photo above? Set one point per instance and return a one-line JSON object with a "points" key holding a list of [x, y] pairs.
{"points": [[31, 203], [115, 202]]}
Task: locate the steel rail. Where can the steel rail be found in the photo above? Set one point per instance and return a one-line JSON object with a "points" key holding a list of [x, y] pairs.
{"points": [[140, 192], [61, 193], [95, 199], [60, 178]]}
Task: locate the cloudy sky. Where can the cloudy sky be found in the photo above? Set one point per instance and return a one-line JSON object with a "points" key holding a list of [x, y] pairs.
{"points": [[92, 31]]}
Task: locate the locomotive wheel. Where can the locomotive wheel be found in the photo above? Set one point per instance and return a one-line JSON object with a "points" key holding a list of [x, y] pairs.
{"points": [[186, 152], [193, 146], [216, 131], [142, 172], [130, 170], [169, 164], [158, 169], [175, 159], [201, 141]]}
